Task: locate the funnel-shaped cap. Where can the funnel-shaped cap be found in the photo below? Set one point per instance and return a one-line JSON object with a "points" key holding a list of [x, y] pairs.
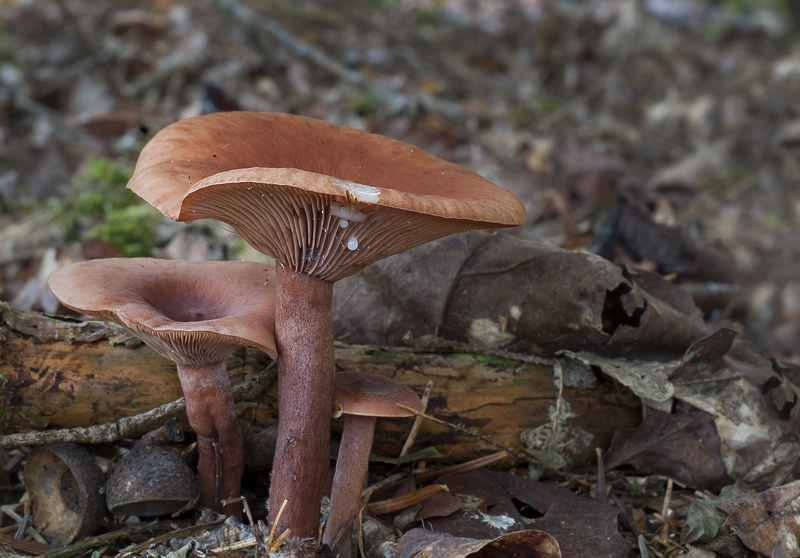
{"points": [[189, 312], [321, 199]]}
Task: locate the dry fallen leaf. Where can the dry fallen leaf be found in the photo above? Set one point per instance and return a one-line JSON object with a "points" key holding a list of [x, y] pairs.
{"points": [[768, 521], [419, 543], [494, 503], [683, 447], [502, 291]]}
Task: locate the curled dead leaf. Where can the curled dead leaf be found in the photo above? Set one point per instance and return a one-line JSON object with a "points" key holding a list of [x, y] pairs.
{"points": [[419, 543]]}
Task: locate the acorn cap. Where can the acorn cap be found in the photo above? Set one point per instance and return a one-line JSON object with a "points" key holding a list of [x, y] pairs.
{"points": [[372, 395], [321, 199], [65, 485], [151, 480], [189, 312]]}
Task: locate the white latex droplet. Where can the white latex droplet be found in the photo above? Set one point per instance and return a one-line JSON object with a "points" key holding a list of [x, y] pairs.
{"points": [[343, 223], [359, 192], [352, 244], [347, 212]]}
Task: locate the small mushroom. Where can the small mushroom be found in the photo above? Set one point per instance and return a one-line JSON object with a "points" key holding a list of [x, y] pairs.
{"points": [[195, 314], [325, 201], [362, 398], [65, 486], [151, 480]]}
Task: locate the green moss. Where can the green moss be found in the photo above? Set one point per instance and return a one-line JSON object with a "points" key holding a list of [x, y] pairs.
{"points": [[492, 360], [97, 204], [362, 103], [130, 229], [533, 110], [382, 356]]}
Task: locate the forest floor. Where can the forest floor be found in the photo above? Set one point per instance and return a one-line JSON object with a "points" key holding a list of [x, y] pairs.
{"points": [[662, 136]]}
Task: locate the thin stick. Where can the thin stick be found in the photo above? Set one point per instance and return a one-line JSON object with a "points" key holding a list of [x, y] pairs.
{"points": [[180, 533], [406, 500], [126, 426], [488, 440], [426, 396], [248, 19], [643, 547], [271, 537], [600, 489], [559, 404], [665, 511]]}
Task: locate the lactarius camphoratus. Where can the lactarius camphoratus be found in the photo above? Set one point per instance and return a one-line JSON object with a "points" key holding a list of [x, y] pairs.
{"points": [[195, 314], [324, 201], [362, 398]]}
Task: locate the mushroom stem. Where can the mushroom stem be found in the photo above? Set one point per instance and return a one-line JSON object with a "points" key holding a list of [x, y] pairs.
{"points": [[212, 416], [348, 482], [304, 336]]}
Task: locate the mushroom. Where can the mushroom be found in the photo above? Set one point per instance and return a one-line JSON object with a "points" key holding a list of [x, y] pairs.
{"points": [[362, 398], [324, 201], [195, 314]]}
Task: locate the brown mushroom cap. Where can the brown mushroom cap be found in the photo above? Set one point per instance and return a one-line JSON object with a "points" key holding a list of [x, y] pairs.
{"points": [[373, 395], [189, 312], [322, 199]]}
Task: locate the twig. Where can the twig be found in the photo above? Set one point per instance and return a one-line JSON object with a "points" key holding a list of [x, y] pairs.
{"points": [[179, 534], [84, 545], [406, 500], [600, 490], [90, 49], [488, 440], [126, 426], [25, 546], [394, 101], [426, 396], [559, 377], [665, 511], [271, 539], [643, 547]]}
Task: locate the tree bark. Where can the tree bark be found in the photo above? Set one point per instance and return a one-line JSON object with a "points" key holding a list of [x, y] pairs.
{"points": [[61, 373]]}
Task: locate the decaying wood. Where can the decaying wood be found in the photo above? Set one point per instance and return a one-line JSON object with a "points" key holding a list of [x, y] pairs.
{"points": [[62, 373]]}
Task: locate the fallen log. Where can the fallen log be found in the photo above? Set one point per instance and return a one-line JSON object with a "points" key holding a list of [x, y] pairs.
{"points": [[58, 372]]}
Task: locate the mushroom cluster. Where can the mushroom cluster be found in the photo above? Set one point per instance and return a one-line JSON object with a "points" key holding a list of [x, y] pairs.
{"points": [[324, 201], [195, 314]]}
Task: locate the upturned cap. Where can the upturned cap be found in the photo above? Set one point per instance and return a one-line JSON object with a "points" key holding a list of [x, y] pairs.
{"points": [[189, 312], [372, 395], [321, 199]]}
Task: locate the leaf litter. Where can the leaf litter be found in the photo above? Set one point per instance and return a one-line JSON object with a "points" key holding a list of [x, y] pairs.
{"points": [[663, 140]]}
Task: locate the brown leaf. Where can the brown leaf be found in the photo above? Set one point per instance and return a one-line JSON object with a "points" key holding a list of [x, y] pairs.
{"points": [[501, 501], [441, 504], [500, 290], [683, 447], [631, 235], [768, 521], [419, 543]]}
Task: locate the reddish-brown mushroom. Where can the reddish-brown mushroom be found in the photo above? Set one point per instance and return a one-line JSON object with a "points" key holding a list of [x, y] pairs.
{"points": [[362, 398], [195, 314], [324, 201]]}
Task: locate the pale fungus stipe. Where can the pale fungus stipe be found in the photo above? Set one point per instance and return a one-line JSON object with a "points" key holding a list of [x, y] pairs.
{"points": [[195, 314], [289, 185]]}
